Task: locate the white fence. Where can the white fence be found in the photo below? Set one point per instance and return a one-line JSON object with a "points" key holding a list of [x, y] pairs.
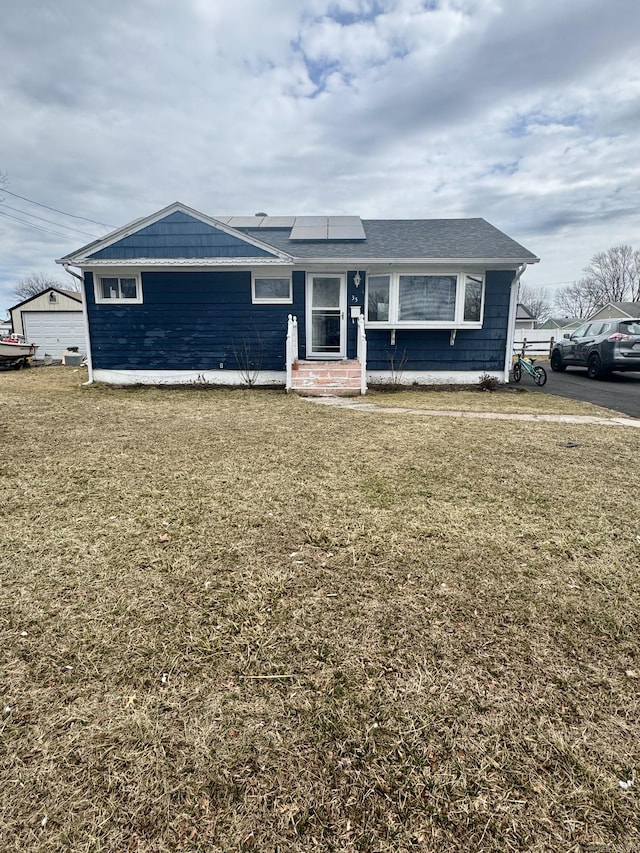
{"points": [[539, 341]]}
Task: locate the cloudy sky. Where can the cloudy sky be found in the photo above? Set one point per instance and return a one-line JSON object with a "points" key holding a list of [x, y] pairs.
{"points": [[524, 112]]}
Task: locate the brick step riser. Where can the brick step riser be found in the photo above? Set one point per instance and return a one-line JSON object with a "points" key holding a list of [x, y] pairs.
{"points": [[326, 378]]}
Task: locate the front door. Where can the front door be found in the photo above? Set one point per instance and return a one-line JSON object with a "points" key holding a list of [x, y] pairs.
{"points": [[326, 329]]}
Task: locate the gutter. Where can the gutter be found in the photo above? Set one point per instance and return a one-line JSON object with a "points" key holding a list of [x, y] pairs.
{"points": [[85, 315], [511, 327]]}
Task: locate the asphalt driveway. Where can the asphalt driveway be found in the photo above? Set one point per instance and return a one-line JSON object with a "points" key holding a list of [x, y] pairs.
{"points": [[619, 391]]}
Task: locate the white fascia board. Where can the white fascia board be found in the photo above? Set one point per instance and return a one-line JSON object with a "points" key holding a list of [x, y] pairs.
{"points": [[493, 263], [172, 263], [138, 224], [299, 263]]}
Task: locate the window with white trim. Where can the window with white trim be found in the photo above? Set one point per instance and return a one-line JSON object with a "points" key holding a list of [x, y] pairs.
{"points": [[271, 290], [425, 300], [110, 288]]}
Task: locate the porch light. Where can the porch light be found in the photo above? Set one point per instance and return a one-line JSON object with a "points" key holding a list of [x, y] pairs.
{"points": [[357, 279]]}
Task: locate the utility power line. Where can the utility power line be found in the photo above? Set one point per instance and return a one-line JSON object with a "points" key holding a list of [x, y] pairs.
{"points": [[33, 225], [55, 209], [50, 221]]}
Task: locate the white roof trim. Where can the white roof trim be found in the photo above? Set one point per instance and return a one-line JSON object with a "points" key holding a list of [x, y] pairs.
{"points": [[89, 263], [78, 257], [351, 263], [364, 262]]}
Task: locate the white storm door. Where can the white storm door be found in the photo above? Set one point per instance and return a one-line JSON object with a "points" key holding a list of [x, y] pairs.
{"points": [[326, 311]]}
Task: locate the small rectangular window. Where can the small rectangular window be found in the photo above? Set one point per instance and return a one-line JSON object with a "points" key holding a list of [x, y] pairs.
{"points": [[272, 290], [378, 289], [118, 289]]}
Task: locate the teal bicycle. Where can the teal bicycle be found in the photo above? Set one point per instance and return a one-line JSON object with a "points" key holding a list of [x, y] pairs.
{"points": [[536, 371]]}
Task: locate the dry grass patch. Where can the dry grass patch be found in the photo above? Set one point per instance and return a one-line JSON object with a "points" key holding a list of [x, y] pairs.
{"points": [[505, 400], [231, 620]]}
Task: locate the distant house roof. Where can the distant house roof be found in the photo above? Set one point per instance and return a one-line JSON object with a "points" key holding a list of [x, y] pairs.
{"points": [[523, 313], [631, 309], [72, 294], [560, 322], [178, 234]]}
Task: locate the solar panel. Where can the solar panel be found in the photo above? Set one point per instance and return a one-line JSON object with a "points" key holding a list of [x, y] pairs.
{"points": [[245, 221], [328, 228], [311, 232], [304, 227], [346, 228], [312, 221], [278, 222]]}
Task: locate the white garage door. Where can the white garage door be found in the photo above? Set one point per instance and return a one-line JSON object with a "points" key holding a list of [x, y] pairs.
{"points": [[54, 331]]}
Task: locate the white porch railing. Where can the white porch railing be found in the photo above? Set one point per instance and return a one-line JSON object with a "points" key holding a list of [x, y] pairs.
{"points": [[291, 348], [362, 353]]}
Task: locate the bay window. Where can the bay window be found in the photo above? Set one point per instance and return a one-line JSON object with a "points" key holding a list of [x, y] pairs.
{"points": [[423, 300]]}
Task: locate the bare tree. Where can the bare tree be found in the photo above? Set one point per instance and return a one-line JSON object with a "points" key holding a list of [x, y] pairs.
{"points": [[35, 282], [537, 300], [577, 300], [611, 276]]}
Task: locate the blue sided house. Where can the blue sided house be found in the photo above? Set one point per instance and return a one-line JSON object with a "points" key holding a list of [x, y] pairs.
{"points": [[319, 304]]}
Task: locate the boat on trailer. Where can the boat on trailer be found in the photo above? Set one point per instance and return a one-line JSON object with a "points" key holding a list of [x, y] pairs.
{"points": [[15, 351]]}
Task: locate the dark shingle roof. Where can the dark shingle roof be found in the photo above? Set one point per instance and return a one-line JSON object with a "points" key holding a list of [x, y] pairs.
{"points": [[406, 238]]}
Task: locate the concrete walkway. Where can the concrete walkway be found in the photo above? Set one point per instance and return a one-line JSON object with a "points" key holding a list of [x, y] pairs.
{"points": [[351, 403]]}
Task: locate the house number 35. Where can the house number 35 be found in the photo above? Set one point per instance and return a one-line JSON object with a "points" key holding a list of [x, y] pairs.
{"points": [[354, 298]]}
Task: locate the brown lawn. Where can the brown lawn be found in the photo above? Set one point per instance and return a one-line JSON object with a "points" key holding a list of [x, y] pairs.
{"points": [[232, 620]]}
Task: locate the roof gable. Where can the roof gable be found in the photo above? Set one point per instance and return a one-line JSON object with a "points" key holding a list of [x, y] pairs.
{"points": [[180, 235], [70, 294], [175, 232]]}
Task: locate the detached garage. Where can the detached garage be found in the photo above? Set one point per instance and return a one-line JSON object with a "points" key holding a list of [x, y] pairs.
{"points": [[53, 320]]}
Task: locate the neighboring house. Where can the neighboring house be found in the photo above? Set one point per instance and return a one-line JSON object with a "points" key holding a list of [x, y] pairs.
{"points": [[53, 320], [181, 297], [524, 318], [617, 311], [564, 323]]}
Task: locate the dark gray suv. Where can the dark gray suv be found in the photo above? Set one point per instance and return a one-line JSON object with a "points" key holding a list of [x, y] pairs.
{"points": [[601, 346]]}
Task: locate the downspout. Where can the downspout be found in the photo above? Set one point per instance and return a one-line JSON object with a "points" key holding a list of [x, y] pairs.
{"points": [[511, 327], [85, 315]]}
